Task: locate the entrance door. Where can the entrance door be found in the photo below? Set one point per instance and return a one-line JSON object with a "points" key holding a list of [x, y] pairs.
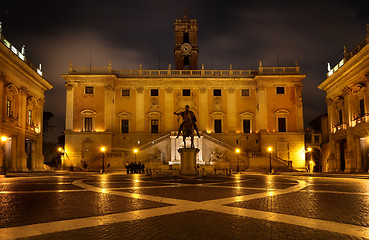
{"points": [[29, 153]]}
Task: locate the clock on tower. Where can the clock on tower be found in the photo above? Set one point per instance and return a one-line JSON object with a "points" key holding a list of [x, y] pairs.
{"points": [[185, 49]]}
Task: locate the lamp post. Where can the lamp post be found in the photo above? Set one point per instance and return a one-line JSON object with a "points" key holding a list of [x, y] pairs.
{"points": [[311, 163], [62, 160], [238, 160], [270, 149], [3, 168], [103, 149], [135, 151]]}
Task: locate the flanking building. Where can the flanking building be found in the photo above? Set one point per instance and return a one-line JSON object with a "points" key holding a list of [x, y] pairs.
{"points": [[22, 88], [348, 119], [124, 110]]}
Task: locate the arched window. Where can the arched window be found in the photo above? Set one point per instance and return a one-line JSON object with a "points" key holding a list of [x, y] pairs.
{"points": [[125, 122], [246, 122], [281, 117], [88, 120], [154, 121]]}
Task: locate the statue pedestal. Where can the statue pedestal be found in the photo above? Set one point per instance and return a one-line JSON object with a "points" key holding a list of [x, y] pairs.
{"points": [[188, 160]]}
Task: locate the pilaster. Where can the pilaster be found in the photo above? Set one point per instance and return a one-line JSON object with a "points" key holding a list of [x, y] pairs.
{"points": [[169, 116], [140, 110], [203, 110], [69, 107], [261, 113], [231, 109]]}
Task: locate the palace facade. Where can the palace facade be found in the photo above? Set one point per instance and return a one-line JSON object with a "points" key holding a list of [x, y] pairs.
{"points": [[348, 120], [124, 110], [22, 88]]}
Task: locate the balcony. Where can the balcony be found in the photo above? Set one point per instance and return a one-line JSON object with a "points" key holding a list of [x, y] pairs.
{"points": [[184, 73]]}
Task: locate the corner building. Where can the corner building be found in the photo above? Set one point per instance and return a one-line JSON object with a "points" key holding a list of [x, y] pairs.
{"points": [[127, 109], [347, 103], [22, 88]]}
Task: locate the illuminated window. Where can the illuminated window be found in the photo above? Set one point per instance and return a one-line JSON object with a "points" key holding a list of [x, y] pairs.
{"points": [[280, 90], [218, 126], [88, 124], [8, 107], [89, 90], [125, 125], [126, 92], [154, 126], [29, 117], [245, 92], [154, 92], [217, 92], [186, 92]]}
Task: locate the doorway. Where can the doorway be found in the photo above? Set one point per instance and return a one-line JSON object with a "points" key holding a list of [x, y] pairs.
{"points": [[28, 149]]}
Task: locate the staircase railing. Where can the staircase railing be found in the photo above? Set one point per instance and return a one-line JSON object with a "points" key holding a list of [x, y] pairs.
{"points": [[156, 141], [217, 141]]}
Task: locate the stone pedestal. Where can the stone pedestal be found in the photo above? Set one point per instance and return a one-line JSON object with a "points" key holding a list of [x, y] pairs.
{"points": [[188, 160]]}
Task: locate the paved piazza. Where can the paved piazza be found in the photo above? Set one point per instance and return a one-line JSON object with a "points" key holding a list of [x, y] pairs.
{"points": [[244, 206]]}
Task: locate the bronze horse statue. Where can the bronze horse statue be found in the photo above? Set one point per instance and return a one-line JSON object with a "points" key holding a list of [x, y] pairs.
{"points": [[188, 130]]}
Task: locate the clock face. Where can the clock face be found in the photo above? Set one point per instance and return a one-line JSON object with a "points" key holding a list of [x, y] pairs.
{"points": [[186, 48]]}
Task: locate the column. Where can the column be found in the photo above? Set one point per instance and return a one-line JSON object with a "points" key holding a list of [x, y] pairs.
{"points": [[21, 138], [69, 108], [140, 110], [169, 116], [359, 155], [39, 156], [203, 110], [231, 110]]}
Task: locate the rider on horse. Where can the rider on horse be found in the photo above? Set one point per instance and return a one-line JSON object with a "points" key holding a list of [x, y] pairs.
{"points": [[187, 115]]}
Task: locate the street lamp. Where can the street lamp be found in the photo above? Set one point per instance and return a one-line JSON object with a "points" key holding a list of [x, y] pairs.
{"points": [[3, 168], [62, 160], [270, 149], [103, 149], [311, 162], [238, 161]]}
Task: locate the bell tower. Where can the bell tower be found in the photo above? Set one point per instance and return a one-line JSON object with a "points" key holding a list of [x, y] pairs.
{"points": [[185, 50]]}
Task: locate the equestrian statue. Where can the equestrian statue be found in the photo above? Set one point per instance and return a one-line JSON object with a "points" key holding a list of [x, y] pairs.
{"points": [[188, 125]]}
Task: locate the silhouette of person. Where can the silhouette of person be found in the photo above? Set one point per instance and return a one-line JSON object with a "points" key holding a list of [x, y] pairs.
{"points": [[187, 115]]}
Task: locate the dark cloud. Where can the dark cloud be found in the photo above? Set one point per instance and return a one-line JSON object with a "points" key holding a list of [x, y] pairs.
{"points": [[241, 33]]}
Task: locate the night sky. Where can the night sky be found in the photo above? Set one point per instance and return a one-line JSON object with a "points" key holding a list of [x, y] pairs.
{"points": [[130, 33]]}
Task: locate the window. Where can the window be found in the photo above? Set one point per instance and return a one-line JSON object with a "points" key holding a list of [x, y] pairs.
{"points": [[29, 117], [245, 92], [89, 90], [316, 138], [125, 126], [281, 124], [8, 107], [154, 92], [280, 90], [125, 92], [154, 126], [186, 62], [246, 126], [218, 126], [88, 124], [186, 38], [186, 92], [340, 117], [362, 108], [217, 92]]}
